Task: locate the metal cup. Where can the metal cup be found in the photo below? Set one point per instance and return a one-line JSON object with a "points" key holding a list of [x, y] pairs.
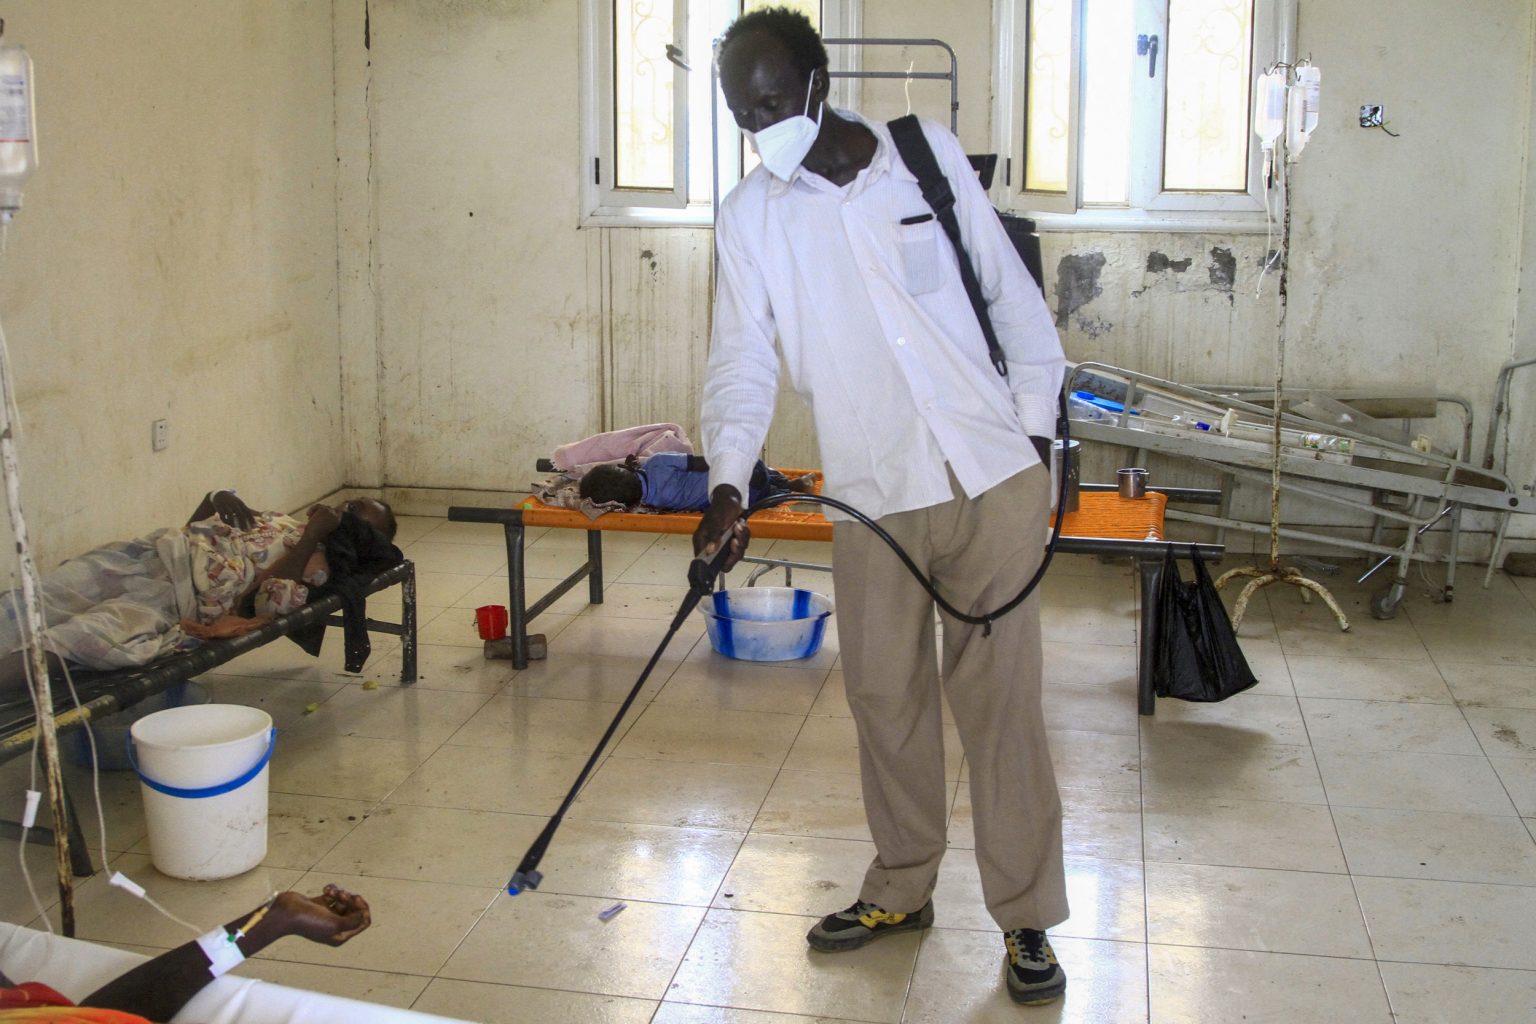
{"points": [[1133, 482]]}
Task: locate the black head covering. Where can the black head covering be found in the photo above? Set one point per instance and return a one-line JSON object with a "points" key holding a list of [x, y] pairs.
{"points": [[356, 552]]}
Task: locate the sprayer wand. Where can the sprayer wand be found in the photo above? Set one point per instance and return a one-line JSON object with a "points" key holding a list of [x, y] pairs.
{"points": [[701, 578]]}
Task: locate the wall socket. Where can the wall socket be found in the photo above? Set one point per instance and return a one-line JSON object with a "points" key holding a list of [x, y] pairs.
{"points": [[1372, 115], [160, 435]]}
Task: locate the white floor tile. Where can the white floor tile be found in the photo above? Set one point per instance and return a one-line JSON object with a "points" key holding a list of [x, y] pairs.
{"points": [[1432, 844], [761, 962], [1462, 923], [1383, 725], [1217, 986], [575, 949], [1368, 679], [517, 1004], [1427, 994], [1414, 781], [1252, 908], [1504, 732], [1241, 833]]}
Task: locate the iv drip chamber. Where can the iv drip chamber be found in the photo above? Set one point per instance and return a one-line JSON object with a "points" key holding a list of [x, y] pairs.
{"points": [[1305, 100], [1269, 111], [18, 115]]}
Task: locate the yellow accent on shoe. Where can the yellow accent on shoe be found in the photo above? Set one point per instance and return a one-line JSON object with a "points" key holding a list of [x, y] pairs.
{"points": [[875, 917], [1013, 951]]}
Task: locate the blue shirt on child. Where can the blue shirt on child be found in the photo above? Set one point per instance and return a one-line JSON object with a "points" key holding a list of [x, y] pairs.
{"points": [[667, 481]]}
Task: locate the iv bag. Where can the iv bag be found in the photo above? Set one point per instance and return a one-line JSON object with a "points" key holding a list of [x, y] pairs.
{"points": [[1269, 111], [1302, 119], [18, 144]]}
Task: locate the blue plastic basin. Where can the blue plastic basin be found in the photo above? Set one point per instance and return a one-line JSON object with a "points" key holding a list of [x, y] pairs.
{"points": [[766, 623]]}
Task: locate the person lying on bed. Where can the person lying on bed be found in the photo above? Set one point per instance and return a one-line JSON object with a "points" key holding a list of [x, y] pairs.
{"points": [[158, 989], [674, 481], [227, 572]]}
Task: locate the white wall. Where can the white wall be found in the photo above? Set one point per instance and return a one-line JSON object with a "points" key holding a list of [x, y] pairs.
{"points": [[176, 258], [478, 286]]}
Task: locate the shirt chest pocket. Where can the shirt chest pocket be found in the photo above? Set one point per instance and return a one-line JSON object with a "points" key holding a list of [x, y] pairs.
{"points": [[921, 256]]}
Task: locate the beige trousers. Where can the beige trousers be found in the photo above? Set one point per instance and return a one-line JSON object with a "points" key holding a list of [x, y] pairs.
{"points": [[980, 552]]}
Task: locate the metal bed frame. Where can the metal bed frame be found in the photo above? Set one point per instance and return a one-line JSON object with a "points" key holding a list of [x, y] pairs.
{"points": [[1428, 486]]}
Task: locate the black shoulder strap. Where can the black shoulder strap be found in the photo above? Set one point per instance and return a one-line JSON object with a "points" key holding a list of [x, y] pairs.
{"points": [[915, 152]]}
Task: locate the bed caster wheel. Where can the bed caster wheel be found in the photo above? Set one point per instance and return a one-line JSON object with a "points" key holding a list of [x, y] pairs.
{"points": [[501, 650], [1384, 605]]}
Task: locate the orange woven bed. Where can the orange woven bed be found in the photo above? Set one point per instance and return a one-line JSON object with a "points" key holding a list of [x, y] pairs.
{"points": [[1099, 514]]}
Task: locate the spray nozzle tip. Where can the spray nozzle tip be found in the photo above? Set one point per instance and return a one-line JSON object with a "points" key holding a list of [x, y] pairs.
{"points": [[524, 880]]}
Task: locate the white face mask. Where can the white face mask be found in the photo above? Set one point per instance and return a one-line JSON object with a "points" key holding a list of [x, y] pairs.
{"points": [[782, 146]]}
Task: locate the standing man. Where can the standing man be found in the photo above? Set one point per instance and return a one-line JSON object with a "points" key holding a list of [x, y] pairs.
{"points": [[830, 247]]}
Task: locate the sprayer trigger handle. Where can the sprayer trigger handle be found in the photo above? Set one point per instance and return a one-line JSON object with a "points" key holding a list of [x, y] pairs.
{"points": [[702, 571]]}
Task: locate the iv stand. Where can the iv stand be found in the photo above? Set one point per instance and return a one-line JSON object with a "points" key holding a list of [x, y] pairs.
{"points": [[1275, 572]]}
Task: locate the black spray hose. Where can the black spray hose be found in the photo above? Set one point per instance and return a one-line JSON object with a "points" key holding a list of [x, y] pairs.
{"points": [[701, 579], [984, 621]]}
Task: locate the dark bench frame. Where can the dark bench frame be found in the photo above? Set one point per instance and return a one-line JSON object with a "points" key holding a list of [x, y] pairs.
{"points": [[104, 693], [1148, 556]]}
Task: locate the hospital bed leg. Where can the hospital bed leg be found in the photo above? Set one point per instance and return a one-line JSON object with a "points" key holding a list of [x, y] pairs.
{"points": [[1148, 572], [1384, 605], [408, 628], [517, 595], [595, 560], [1449, 593], [1498, 546]]}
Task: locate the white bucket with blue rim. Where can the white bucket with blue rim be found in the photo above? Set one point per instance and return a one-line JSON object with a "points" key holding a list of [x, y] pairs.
{"points": [[766, 623], [203, 772]]}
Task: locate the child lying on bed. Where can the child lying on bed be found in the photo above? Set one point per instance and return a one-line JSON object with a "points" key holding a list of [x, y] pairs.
{"points": [[677, 482]]}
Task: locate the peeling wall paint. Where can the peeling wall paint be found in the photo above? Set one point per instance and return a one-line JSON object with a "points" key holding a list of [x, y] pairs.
{"points": [[1159, 263], [1222, 269], [1077, 283], [1129, 311]]}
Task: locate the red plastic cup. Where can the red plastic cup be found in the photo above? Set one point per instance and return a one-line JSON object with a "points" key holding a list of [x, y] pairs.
{"points": [[492, 620]]}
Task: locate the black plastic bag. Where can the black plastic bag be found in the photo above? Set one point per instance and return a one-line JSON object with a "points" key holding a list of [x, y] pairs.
{"points": [[1197, 656]]}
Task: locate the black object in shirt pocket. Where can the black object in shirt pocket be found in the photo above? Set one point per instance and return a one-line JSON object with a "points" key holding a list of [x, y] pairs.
{"points": [[920, 254]]}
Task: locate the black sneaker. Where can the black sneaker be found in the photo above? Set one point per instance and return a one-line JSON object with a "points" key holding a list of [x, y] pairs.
{"points": [[1034, 976], [862, 922]]}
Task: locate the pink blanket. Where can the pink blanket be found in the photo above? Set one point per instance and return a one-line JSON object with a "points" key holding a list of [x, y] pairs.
{"points": [[618, 444]]}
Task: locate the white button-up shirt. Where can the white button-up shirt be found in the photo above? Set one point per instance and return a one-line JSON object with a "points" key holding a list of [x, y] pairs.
{"points": [[876, 333]]}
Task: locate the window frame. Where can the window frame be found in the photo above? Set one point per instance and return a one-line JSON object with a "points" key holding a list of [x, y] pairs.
{"points": [[602, 204], [1148, 207]]}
